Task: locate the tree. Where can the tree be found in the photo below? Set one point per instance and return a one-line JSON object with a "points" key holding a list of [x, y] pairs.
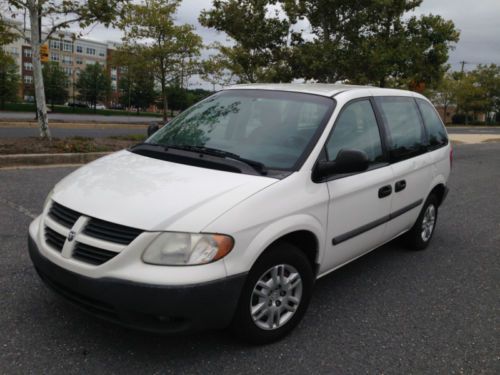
{"points": [[55, 83], [94, 84], [371, 42], [260, 52], [58, 14], [487, 77], [137, 82], [7, 35], [217, 71], [444, 94], [9, 79], [171, 49]]}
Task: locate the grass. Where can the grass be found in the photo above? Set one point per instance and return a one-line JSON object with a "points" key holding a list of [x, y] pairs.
{"points": [[30, 107]]}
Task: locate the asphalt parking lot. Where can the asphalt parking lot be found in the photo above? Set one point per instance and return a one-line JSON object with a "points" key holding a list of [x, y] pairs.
{"points": [[390, 312]]}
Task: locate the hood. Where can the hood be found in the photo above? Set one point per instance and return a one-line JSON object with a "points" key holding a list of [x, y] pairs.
{"points": [[150, 194]]}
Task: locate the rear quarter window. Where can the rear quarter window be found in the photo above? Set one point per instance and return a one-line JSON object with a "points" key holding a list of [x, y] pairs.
{"points": [[435, 128]]}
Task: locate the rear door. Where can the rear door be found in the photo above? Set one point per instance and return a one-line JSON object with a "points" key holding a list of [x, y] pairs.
{"points": [[357, 211], [411, 166]]}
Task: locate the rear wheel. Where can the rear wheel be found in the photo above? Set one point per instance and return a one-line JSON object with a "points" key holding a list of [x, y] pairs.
{"points": [[275, 296], [419, 237]]}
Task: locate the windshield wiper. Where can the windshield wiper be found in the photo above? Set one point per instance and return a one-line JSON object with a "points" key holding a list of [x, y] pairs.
{"points": [[258, 166]]}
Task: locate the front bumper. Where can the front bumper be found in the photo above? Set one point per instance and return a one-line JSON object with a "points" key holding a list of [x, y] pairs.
{"points": [[156, 308]]}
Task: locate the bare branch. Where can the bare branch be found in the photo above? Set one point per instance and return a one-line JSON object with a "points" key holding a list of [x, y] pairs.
{"points": [[60, 25]]}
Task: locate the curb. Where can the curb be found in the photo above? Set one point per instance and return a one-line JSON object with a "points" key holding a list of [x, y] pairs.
{"points": [[23, 160]]}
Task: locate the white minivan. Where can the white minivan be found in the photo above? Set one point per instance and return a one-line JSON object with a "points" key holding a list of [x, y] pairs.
{"points": [[228, 214]]}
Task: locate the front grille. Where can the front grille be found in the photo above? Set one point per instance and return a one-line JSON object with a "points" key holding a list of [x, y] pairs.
{"points": [[54, 239], [63, 215], [111, 232], [91, 254], [95, 228]]}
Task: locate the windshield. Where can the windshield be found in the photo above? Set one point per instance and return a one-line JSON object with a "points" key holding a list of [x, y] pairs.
{"points": [[274, 128]]}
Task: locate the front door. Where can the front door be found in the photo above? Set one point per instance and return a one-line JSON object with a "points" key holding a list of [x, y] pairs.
{"points": [[359, 203]]}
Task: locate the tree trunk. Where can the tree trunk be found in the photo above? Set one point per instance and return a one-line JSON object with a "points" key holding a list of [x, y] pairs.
{"points": [[164, 95], [41, 105]]}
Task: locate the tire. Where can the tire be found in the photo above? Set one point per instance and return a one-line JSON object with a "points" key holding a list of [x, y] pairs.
{"points": [[288, 297], [420, 235]]}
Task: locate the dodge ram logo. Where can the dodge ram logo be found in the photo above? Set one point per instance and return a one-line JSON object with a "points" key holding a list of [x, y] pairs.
{"points": [[71, 235]]}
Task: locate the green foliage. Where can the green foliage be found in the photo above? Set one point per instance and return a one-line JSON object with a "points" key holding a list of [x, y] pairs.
{"points": [[9, 79], [7, 35], [94, 84], [137, 82], [364, 41], [180, 99], [172, 50], [260, 51], [473, 92], [55, 83]]}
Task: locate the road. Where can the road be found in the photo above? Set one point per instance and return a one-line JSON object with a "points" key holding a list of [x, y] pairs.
{"points": [[68, 117], [392, 311]]}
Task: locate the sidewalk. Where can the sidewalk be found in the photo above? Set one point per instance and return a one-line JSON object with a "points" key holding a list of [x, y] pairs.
{"points": [[474, 138]]}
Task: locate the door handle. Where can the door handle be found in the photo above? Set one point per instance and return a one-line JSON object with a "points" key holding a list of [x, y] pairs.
{"points": [[384, 191], [400, 185]]}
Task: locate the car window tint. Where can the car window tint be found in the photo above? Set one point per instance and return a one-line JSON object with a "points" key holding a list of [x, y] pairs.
{"points": [[433, 124], [356, 128], [403, 123]]}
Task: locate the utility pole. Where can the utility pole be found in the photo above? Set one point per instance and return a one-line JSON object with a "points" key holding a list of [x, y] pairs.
{"points": [[463, 64]]}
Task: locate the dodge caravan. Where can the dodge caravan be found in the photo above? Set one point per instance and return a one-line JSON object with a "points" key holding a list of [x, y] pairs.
{"points": [[228, 214]]}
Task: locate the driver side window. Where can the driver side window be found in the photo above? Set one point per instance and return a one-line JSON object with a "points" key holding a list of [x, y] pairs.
{"points": [[356, 128]]}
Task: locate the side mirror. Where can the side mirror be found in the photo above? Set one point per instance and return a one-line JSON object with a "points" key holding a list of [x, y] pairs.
{"points": [[347, 161], [153, 128]]}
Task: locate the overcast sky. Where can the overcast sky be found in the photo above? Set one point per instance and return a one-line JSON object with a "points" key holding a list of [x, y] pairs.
{"points": [[477, 20]]}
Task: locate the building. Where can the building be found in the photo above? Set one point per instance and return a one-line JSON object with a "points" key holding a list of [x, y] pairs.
{"points": [[66, 49], [114, 73]]}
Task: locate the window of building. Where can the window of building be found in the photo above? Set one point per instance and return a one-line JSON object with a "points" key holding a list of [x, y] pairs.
{"points": [[404, 126], [54, 56], [55, 44], [28, 79], [90, 51], [102, 52], [356, 128], [28, 66], [79, 61], [28, 52], [433, 124], [67, 60], [68, 71], [14, 51], [68, 46], [79, 49]]}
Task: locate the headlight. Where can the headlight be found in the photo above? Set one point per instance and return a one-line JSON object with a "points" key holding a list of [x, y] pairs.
{"points": [[181, 249], [47, 200]]}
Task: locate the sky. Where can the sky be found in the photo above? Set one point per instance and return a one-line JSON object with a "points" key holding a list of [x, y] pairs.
{"points": [[477, 20]]}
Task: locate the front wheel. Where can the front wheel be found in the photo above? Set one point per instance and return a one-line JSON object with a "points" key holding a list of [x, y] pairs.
{"points": [[419, 236], [275, 296]]}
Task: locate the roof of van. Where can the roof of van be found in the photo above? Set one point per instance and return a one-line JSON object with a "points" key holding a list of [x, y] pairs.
{"points": [[324, 89]]}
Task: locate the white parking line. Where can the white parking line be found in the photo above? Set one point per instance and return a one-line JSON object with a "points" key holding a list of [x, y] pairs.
{"points": [[18, 208]]}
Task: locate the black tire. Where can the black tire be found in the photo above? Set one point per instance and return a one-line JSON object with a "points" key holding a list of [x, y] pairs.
{"points": [[243, 324], [414, 239]]}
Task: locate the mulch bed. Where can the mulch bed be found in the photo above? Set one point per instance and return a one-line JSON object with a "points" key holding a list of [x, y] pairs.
{"points": [[34, 145]]}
